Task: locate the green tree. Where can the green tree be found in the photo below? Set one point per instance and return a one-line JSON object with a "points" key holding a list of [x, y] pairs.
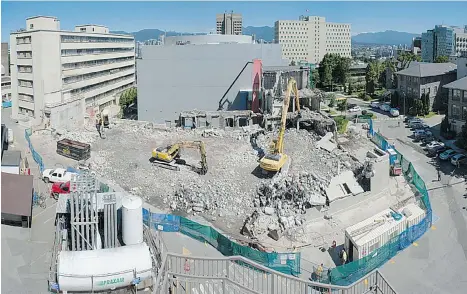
{"points": [[342, 105], [418, 107], [462, 137], [395, 99], [373, 73], [445, 127], [334, 69], [315, 78], [128, 97], [342, 70], [426, 103], [442, 59], [332, 99], [350, 89], [405, 58]]}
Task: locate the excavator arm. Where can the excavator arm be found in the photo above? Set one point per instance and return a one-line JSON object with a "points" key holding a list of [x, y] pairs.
{"points": [[276, 159], [202, 150], [291, 88]]}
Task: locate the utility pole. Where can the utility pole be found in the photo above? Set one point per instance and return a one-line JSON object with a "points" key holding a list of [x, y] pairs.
{"points": [[403, 94]]}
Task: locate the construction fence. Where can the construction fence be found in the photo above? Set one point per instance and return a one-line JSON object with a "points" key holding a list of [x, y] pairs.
{"points": [[37, 158], [347, 274]]}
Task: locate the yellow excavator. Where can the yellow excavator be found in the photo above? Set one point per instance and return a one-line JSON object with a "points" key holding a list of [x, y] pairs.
{"points": [[276, 158], [169, 157]]}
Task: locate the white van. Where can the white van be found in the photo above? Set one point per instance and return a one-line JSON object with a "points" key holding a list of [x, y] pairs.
{"points": [[394, 112]]}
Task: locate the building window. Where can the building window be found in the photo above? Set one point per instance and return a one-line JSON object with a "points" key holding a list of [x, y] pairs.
{"points": [[455, 112], [82, 29], [25, 97], [25, 68], [24, 54], [31, 26], [25, 83], [464, 113], [465, 96], [456, 95]]}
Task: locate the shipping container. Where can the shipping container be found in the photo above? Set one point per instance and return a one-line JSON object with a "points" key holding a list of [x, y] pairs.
{"points": [[74, 149], [413, 213], [365, 237]]}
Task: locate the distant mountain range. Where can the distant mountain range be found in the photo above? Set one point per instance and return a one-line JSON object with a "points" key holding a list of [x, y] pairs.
{"points": [[267, 33]]}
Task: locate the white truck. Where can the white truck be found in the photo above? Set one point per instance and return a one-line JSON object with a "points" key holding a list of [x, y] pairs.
{"points": [[58, 175]]}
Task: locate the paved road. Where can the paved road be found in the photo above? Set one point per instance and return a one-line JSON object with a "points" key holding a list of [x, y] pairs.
{"points": [[437, 262]]}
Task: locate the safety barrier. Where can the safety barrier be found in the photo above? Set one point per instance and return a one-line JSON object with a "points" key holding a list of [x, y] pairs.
{"points": [[37, 158], [353, 271], [161, 222]]}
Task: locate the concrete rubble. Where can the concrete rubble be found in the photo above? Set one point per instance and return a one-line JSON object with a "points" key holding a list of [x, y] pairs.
{"points": [[230, 190]]}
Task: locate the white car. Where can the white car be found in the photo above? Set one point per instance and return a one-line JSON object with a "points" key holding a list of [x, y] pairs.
{"points": [[58, 175], [434, 144], [355, 109], [374, 104], [394, 112]]}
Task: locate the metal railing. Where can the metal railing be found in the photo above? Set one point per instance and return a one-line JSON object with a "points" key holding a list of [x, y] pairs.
{"points": [[236, 274]]}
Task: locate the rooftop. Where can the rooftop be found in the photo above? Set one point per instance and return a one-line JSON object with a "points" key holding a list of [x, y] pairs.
{"points": [[428, 69], [11, 158], [460, 84], [17, 194], [39, 16]]}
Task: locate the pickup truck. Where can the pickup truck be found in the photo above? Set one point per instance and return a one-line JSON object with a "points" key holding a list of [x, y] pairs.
{"points": [[58, 175]]}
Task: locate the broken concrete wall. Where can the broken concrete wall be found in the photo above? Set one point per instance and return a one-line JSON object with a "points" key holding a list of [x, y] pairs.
{"points": [[67, 116]]}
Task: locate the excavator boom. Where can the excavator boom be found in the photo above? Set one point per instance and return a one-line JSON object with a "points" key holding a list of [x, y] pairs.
{"points": [[275, 161]]}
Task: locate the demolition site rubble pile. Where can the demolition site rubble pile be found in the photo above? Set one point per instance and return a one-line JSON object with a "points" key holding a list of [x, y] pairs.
{"points": [[280, 204]]}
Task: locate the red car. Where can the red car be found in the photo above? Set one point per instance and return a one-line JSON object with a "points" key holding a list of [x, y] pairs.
{"points": [[59, 188]]}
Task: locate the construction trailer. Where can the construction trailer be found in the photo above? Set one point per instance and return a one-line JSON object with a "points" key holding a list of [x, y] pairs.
{"points": [[365, 237]]}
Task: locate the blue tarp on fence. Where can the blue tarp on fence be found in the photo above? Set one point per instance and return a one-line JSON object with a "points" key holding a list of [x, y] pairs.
{"points": [[6, 104], [162, 222]]}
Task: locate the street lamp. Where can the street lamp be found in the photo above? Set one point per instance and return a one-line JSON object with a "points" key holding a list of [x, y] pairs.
{"points": [[403, 95]]}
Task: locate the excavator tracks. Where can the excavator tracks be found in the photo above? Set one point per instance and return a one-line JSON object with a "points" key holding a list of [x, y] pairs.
{"points": [[165, 165]]}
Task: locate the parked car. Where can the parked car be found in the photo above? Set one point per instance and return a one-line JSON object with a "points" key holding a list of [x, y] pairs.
{"points": [[394, 112], [415, 121], [436, 151], [374, 104], [434, 144], [458, 159], [385, 107], [428, 139], [58, 175], [355, 109], [448, 154], [408, 118], [420, 126], [59, 188]]}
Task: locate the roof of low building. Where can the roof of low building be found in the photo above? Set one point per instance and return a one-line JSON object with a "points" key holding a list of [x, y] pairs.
{"points": [[17, 192], [428, 69], [11, 158], [460, 84]]}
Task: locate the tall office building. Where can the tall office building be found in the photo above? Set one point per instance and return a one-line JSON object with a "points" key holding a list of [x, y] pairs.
{"points": [[58, 76], [229, 24], [441, 41], [311, 37]]}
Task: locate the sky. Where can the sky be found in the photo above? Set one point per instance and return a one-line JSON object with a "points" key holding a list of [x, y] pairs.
{"points": [[413, 17]]}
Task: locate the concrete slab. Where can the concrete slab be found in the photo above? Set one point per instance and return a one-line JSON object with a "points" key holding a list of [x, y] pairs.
{"points": [[342, 186]]}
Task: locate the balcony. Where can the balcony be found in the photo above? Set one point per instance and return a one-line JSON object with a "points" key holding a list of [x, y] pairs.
{"points": [[91, 45], [25, 76], [106, 88], [24, 61], [98, 80], [97, 68], [26, 104], [24, 47], [90, 57], [25, 90]]}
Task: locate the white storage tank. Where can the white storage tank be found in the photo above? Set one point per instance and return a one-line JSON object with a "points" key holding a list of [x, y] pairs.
{"points": [[132, 220], [365, 237], [413, 213], [98, 270]]}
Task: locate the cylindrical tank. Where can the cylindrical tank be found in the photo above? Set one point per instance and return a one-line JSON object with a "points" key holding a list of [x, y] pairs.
{"points": [[99, 270], [132, 220]]}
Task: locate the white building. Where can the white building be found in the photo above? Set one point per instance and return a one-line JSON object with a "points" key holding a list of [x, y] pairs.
{"points": [[62, 77], [311, 37], [229, 23]]}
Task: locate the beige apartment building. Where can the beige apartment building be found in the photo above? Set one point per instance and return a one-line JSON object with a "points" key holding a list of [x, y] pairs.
{"points": [[311, 37], [229, 24], [61, 78]]}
